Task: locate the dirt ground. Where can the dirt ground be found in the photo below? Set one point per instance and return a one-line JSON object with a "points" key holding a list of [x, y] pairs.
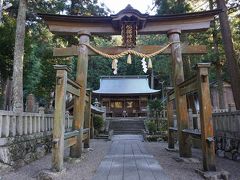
{"points": [[85, 168], [82, 169], [186, 171]]}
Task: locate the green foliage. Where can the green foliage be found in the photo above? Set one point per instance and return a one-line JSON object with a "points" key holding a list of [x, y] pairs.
{"points": [[161, 63], [171, 6], [151, 126], [203, 38], [163, 126], [34, 72], [39, 74], [155, 105], [236, 37], [98, 122], [7, 38]]}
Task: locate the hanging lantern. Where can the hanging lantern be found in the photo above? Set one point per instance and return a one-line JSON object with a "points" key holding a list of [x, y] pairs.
{"points": [[129, 59], [149, 63]]}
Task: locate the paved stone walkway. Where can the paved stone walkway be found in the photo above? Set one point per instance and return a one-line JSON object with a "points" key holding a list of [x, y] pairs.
{"points": [[129, 160]]}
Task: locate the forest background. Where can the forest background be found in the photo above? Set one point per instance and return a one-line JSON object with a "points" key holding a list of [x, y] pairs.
{"points": [[38, 72]]}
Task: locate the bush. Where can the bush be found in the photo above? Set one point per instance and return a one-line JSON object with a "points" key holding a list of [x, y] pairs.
{"points": [[98, 122], [152, 128], [163, 126]]}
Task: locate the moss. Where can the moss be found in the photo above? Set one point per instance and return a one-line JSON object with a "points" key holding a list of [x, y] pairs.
{"points": [[26, 148]]}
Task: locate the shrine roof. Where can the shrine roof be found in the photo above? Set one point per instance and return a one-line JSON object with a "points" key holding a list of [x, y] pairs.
{"points": [[124, 85]]}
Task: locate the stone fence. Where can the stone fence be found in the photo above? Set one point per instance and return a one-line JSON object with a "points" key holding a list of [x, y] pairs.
{"points": [[17, 124], [227, 121], [25, 137], [226, 126], [227, 134]]}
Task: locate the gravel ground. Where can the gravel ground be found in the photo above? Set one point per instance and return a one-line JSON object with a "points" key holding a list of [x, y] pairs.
{"points": [[84, 169], [186, 171]]}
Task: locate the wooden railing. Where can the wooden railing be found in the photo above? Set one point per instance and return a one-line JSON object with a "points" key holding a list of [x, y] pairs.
{"points": [[194, 120], [17, 124], [76, 135], [200, 84], [68, 122]]}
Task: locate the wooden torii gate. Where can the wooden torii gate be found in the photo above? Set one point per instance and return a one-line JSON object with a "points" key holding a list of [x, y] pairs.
{"points": [[139, 24]]}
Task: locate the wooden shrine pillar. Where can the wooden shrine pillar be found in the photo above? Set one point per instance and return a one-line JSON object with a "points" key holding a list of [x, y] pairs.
{"points": [[181, 101], [59, 118], [87, 118], [207, 136], [79, 102], [170, 124]]}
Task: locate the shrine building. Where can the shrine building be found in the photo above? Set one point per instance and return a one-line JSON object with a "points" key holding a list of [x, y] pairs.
{"points": [[125, 96]]}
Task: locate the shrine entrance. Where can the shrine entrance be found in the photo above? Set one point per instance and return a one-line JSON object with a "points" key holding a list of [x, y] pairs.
{"points": [[129, 23]]}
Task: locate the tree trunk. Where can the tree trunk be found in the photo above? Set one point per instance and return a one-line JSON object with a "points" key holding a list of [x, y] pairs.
{"points": [[1, 11], [18, 57], [220, 85], [232, 64], [218, 65], [8, 95]]}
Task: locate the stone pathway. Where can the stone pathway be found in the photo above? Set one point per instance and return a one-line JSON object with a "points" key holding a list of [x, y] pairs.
{"points": [[129, 160]]}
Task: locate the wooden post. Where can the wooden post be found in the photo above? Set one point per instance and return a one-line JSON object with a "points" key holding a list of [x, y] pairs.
{"points": [[79, 102], [91, 127], [59, 118], [170, 124], [1, 124], [88, 119], [206, 118], [181, 101]]}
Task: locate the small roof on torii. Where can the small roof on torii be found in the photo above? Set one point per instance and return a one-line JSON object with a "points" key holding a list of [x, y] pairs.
{"points": [[125, 85], [146, 24]]}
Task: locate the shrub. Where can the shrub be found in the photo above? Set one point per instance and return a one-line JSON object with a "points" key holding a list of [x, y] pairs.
{"points": [[98, 122], [152, 128], [163, 126]]}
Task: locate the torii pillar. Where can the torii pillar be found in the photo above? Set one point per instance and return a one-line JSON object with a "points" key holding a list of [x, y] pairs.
{"points": [[181, 101], [79, 102]]}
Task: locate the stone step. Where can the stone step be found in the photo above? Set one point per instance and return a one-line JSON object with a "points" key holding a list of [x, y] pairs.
{"points": [[127, 126], [101, 136], [118, 132], [117, 124]]}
